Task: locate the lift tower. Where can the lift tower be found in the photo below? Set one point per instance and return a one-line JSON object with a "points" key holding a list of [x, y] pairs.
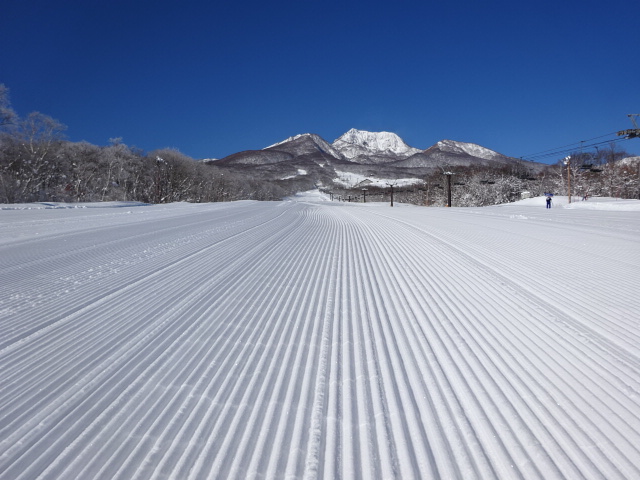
{"points": [[631, 132]]}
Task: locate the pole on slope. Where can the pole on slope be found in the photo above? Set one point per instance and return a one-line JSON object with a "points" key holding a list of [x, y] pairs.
{"points": [[391, 185], [364, 195], [567, 162], [448, 174]]}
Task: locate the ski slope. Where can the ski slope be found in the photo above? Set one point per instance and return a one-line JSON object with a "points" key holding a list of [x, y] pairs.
{"points": [[316, 339]]}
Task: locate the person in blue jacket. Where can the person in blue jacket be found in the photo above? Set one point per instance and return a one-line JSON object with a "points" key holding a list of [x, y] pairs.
{"points": [[548, 201]]}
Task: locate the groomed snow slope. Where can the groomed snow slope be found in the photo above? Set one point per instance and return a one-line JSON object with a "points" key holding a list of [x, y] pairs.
{"points": [[312, 339]]}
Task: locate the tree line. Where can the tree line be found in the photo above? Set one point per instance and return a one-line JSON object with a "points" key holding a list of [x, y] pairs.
{"points": [[38, 164], [599, 174]]}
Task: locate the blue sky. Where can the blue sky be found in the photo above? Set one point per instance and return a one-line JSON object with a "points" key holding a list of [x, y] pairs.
{"points": [[213, 78]]}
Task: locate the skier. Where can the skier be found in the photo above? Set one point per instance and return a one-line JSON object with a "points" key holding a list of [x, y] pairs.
{"points": [[548, 201]]}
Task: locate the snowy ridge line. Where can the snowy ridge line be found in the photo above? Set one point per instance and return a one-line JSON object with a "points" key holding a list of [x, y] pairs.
{"points": [[317, 340]]}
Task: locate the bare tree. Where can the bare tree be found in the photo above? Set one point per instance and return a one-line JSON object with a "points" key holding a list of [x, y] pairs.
{"points": [[81, 164], [7, 115], [119, 165], [176, 176], [30, 168]]}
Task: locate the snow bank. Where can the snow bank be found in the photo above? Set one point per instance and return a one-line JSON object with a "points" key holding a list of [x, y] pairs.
{"points": [[350, 180], [593, 203], [62, 205]]}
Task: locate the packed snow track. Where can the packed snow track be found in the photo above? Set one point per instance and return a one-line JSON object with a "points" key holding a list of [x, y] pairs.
{"points": [[316, 339]]}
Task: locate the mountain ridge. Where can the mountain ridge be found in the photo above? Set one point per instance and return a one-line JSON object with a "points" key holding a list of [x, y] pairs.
{"points": [[373, 154], [358, 143]]}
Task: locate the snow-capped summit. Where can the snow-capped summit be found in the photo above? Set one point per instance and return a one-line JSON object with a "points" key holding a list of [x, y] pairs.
{"points": [[305, 143], [290, 139], [472, 149], [360, 142]]}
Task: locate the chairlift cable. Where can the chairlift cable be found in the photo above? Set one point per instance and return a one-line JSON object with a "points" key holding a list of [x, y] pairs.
{"points": [[560, 151], [570, 150], [565, 148]]}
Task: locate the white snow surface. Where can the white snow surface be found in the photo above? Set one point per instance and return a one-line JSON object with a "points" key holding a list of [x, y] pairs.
{"points": [[468, 148], [317, 339], [300, 172], [350, 180], [360, 142]]}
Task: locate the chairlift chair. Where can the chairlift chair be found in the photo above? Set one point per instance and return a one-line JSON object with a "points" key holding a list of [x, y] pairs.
{"points": [[528, 176]]}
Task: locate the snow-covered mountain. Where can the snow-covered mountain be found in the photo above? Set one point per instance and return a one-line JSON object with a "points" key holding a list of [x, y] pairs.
{"points": [[372, 154], [358, 145], [304, 144], [451, 154], [472, 149]]}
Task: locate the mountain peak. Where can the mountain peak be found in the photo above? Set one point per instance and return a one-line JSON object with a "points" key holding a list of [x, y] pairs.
{"points": [[291, 139], [468, 148], [361, 142], [305, 143]]}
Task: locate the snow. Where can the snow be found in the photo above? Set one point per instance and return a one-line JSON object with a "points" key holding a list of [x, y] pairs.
{"points": [[350, 180], [300, 172], [468, 148], [629, 161], [577, 203], [320, 143], [49, 205], [316, 339], [290, 139], [358, 142]]}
